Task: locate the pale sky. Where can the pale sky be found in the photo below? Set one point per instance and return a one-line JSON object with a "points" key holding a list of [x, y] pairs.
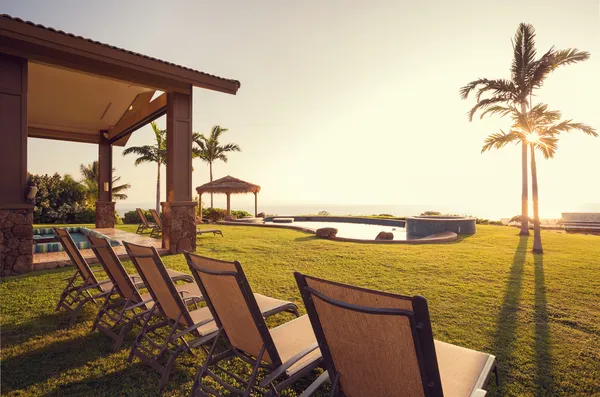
{"points": [[351, 102]]}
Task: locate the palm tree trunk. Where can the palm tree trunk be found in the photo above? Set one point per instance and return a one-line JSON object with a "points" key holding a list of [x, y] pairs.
{"points": [[524, 186], [158, 189], [211, 195], [537, 237]]}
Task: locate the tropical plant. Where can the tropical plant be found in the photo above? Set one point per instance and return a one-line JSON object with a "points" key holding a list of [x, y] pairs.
{"points": [[527, 75], [156, 153], [89, 173], [209, 149], [60, 199], [539, 129]]}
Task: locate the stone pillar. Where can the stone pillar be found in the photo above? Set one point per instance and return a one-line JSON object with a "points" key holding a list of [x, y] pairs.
{"points": [[179, 226], [105, 207], [179, 220], [105, 214], [16, 215]]}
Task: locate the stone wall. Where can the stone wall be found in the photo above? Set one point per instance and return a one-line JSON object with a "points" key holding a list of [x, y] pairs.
{"points": [[105, 214], [16, 241], [179, 226]]}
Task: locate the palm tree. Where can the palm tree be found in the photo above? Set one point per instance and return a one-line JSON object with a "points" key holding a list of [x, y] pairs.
{"points": [[209, 149], [89, 172], [539, 129], [156, 153], [527, 75]]}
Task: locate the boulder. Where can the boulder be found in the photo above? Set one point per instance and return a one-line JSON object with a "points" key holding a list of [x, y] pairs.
{"points": [[261, 215], [327, 232], [385, 236], [230, 217], [23, 264]]}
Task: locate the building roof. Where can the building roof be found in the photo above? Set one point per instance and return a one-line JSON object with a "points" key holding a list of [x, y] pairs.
{"points": [[228, 185]]}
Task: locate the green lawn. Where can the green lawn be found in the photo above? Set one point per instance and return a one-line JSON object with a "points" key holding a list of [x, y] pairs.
{"points": [[538, 315]]}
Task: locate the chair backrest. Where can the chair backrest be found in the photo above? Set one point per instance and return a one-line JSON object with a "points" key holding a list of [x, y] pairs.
{"points": [[233, 306], [156, 217], [379, 344], [142, 216], [114, 268], [75, 255], [154, 273]]}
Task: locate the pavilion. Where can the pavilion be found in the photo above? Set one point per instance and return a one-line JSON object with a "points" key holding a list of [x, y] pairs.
{"points": [[55, 85], [229, 185]]}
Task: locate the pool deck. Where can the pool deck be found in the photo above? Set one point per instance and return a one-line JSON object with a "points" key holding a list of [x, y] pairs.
{"points": [[51, 260]]}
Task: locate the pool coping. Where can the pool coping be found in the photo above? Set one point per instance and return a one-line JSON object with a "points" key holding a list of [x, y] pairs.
{"points": [[437, 238]]}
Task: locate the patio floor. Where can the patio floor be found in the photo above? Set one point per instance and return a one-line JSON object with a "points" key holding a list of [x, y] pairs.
{"points": [[51, 260]]}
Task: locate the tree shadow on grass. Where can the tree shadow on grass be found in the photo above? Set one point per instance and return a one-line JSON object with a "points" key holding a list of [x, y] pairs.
{"points": [[20, 372], [505, 337], [544, 377]]}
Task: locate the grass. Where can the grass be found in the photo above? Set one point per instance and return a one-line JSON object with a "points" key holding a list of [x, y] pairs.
{"points": [[538, 315]]}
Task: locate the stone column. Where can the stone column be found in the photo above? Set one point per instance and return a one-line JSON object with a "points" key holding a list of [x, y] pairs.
{"points": [[179, 226], [16, 215], [105, 214], [105, 207]]}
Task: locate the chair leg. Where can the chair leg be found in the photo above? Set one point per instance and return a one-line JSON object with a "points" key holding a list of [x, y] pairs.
{"points": [[200, 374], [254, 374], [495, 370]]}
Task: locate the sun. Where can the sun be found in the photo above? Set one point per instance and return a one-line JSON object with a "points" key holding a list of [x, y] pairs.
{"points": [[532, 137]]}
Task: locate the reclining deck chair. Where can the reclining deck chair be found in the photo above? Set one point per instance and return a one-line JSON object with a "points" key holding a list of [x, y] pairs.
{"points": [[289, 351], [144, 224], [76, 295], [161, 350], [380, 344], [158, 226], [117, 316]]}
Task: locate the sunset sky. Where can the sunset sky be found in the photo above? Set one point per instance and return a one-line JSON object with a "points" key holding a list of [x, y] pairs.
{"points": [[351, 102]]}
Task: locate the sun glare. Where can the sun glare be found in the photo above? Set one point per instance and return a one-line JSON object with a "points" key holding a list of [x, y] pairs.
{"points": [[532, 137]]}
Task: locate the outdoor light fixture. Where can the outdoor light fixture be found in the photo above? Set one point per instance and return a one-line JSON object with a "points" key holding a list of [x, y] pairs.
{"points": [[106, 186]]}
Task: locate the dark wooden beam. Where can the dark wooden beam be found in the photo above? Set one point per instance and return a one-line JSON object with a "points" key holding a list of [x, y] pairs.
{"points": [[44, 133], [140, 113]]}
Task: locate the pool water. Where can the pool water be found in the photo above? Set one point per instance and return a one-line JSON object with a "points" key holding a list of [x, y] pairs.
{"points": [[360, 231]]}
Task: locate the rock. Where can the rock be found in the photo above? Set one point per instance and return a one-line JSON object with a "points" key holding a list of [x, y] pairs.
{"points": [[23, 231], [230, 217], [327, 232], [385, 236], [25, 247], [17, 219], [6, 223], [23, 264], [261, 215], [13, 243]]}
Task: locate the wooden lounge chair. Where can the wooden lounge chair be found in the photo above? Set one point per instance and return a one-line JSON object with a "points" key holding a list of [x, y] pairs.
{"points": [[144, 224], [83, 286], [160, 349], [289, 351], [157, 229], [380, 344], [213, 231], [126, 306]]}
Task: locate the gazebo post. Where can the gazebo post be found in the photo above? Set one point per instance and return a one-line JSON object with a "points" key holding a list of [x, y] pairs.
{"points": [[255, 204], [200, 205], [228, 203]]}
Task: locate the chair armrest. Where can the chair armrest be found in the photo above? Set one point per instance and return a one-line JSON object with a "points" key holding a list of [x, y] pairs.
{"points": [[478, 393], [311, 390], [192, 328], [283, 367]]}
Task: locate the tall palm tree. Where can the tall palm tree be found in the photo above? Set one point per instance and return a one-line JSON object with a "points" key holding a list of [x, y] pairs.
{"points": [[527, 75], [89, 173], [538, 129], [156, 153], [210, 150]]}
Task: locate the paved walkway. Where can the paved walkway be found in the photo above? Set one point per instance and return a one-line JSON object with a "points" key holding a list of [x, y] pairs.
{"points": [[51, 260]]}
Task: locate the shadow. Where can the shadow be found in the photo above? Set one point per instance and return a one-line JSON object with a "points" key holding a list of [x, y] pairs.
{"points": [[505, 337], [16, 334], [20, 372], [544, 377], [307, 238]]}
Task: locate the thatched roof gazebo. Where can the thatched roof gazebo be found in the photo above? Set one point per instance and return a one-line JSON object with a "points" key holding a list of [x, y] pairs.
{"points": [[229, 185]]}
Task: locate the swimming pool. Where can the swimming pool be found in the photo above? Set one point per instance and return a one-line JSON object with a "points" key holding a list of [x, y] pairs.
{"points": [[44, 239], [357, 231]]}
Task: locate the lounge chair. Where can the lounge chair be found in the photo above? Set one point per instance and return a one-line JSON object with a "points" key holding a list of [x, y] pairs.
{"points": [[213, 231], [380, 344], [144, 224], [126, 306], [158, 226], [160, 349], [289, 351], [83, 286]]}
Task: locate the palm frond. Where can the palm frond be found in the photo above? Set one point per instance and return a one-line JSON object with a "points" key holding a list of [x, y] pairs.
{"points": [[485, 103], [499, 140]]}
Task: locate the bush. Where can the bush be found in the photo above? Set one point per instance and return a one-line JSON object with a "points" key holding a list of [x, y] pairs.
{"points": [[323, 213], [431, 213], [240, 214], [214, 214], [59, 199], [132, 217]]}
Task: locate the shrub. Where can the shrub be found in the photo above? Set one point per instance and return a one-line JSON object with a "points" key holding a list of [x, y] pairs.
{"points": [[323, 213], [214, 214], [240, 214], [431, 213], [59, 199], [132, 217]]}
